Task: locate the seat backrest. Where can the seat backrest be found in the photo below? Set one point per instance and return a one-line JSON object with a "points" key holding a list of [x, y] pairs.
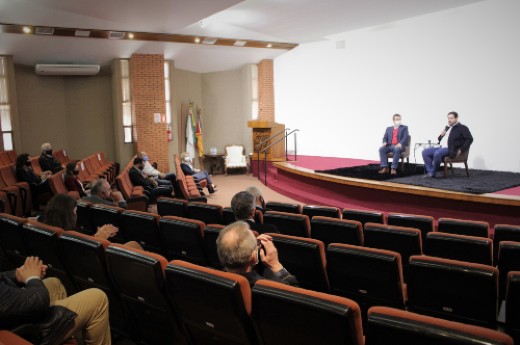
{"points": [[142, 227], [305, 259], [406, 328], [450, 289], [459, 247], [35, 163], [139, 279], [405, 241], [366, 275], [508, 261], [283, 207], [11, 238], [106, 214], [4, 158], [324, 211], [171, 207], [206, 213], [183, 239], [228, 216], [12, 156], [513, 305], [10, 338], [364, 216], [423, 223], [463, 227], [330, 230], [41, 240], [291, 315], [223, 300], [504, 232], [57, 184], [83, 217], [211, 232], [289, 223]]}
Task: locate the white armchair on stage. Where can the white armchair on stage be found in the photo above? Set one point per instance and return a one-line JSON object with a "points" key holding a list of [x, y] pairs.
{"points": [[235, 158]]}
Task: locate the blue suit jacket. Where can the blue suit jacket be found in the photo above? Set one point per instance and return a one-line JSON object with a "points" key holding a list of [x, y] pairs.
{"points": [[402, 135]]}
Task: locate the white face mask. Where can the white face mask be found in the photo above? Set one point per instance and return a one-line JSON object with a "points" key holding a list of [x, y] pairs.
{"points": [[397, 123], [187, 159]]}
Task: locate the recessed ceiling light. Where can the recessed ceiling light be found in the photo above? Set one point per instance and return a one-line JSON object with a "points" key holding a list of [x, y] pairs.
{"points": [[42, 30], [209, 40], [197, 40], [82, 33], [269, 45], [116, 35], [26, 29], [240, 43], [130, 35]]}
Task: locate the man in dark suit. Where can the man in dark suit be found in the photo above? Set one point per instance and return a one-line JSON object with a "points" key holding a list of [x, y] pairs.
{"points": [[459, 141], [47, 161], [395, 140], [149, 185], [244, 208]]}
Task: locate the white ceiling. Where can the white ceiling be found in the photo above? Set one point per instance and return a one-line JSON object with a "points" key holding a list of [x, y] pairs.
{"points": [[291, 21]]}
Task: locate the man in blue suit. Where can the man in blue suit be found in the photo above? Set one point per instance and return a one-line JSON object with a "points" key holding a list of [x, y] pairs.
{"points": [[395, 140], [459, 140]]}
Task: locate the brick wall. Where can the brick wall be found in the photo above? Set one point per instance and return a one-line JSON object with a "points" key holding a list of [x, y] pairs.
{"points": [[266, 90], [147, 95]]}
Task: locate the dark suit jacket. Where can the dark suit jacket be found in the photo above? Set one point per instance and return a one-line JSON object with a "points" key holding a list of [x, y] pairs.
{"points": [[402, 135], [49, 163], [138, 179], [262, 228], [460, 138], [26, 174], [187, 169]]}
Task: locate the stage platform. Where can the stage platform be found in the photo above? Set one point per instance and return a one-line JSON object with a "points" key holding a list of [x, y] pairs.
{"points": [[297, 179]]}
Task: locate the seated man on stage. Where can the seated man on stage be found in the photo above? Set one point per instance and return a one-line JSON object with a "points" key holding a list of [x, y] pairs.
{"points": [[459, 140], [395, 140]]}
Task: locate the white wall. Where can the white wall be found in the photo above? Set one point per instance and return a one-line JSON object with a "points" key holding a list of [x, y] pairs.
{"points": [[465, 59]]}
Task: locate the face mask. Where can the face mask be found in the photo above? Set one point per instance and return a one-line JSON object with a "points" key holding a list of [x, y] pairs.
{"points": [[49, 152], [145, 158], [187, 159], [75, 172], [28, 163], [397, 123]]}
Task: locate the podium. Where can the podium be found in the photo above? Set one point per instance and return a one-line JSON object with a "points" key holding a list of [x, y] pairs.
{"points": [[263, 130]]}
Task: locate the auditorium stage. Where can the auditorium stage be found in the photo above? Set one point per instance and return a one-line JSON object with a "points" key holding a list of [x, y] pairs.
{"points": [[297, 179]]}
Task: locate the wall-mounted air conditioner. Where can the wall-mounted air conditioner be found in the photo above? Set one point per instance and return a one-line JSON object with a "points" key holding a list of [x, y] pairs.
{"points": [[66, 69]]}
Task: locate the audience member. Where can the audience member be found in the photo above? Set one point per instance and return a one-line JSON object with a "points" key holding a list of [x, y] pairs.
{"points": [[40, 189], [72, 181], [259, 199], [239, 251], [149, 184], [28, 298], [188, 169], [149, 171], [101, 193], [47, 161], [61, 212], [243, 205]]}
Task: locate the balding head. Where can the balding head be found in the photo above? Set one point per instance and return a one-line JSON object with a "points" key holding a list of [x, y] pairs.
{"points": [[236, 247]]}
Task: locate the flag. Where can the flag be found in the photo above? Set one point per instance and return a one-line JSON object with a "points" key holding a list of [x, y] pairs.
{"points": [[198, 134], [190, 135]]}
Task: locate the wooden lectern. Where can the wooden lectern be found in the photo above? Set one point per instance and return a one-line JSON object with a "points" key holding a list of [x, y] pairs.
{"points": [[261, 131]]}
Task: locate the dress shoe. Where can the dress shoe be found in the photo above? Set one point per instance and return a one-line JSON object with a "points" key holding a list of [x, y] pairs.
{"points": [[393, 172], [383, 171]]}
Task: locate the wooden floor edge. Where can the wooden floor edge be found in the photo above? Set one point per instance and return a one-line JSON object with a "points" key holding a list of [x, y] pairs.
{"points": [[488, 198]]}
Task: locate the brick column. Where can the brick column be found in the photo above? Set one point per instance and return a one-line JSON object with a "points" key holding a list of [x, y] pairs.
{"points": [[147, 95], [266, 90]]}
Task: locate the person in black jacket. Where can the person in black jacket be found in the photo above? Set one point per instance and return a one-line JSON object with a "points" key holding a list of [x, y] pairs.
{"points": [[26, 298], [239, 251], [188, 169], [47, 161], [244, 208], [40, 189], [149, 184], [459, 141]]}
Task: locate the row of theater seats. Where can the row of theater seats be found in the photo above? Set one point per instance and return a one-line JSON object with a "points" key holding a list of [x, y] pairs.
{"points": [[189, 188], [157, 301], [135, 196], [16, 196]]}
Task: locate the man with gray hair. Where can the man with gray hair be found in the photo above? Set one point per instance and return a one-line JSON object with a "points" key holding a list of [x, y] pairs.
{"points": [[101, 193], [259, 199], [243, 205], [239, 252], [47, 161]]}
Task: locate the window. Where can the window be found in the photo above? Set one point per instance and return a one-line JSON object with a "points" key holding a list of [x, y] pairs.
{"points": [[126, 104], [5, 108], [254, 92], [167, 93]]}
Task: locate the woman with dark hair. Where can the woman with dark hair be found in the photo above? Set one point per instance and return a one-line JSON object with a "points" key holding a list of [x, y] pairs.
{"points": [[40, 190], [72, 181], [61, 212]]}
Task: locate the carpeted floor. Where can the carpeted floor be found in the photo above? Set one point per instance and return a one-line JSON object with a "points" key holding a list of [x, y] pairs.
{"points": [[479, 182]]}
